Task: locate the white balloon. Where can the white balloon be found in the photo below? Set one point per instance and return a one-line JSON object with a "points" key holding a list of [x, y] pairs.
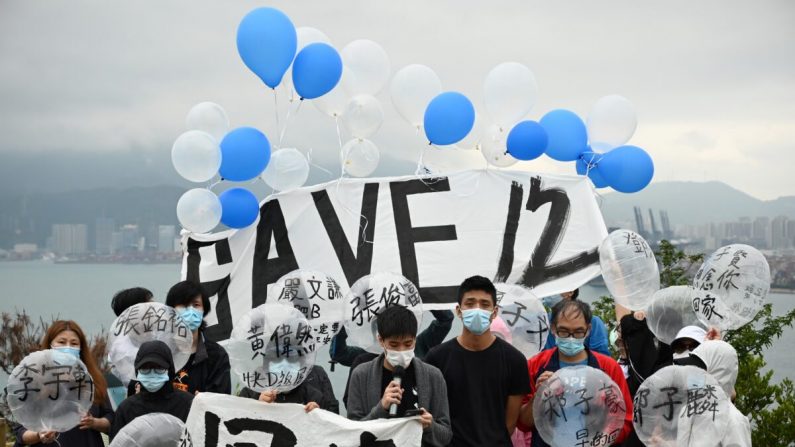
{"points": [[510, 93], [288, 169], [360, 157], [150, 430], [370, 63], [196, 156], [305, 36], [368, 297], [199, 210], [731, 286], [493, 148], [525, 316], [629, 268], [475, 136], [208, 117], [669, 311], [334, 102], [412, 89], [363, 116], [50, 390], [611, 123]]}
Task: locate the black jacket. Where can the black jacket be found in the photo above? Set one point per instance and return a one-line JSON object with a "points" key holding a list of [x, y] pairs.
{"points": [[207, 370]]}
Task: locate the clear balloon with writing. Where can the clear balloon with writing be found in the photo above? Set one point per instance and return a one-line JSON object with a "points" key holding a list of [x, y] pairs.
{"points": [[629, 268], [670, 310], [369, 296], [680, 406], [317, 296], [146, 322], [731, 286], [578, 406], [150, 430], [525, 316], [272, 348], [49, 390]]}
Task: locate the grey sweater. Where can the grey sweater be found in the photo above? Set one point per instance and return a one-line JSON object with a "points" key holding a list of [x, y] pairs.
{"points": [[364, 398]]}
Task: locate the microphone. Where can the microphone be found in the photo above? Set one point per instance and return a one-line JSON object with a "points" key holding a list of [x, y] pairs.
{"points": [[397, 377]]}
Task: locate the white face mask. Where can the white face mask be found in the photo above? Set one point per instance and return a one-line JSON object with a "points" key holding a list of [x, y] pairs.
{"points": [[400, 358]]}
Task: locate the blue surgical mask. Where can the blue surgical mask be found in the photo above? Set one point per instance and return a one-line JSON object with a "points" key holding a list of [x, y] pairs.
{"points": [[570, 346], [476, 321], [550, 301], [192, 317], [152, 381], [74, 352]]}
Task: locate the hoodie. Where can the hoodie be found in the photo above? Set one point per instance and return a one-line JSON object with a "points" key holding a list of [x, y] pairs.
{"points": [[721, 361], [164, 400]]}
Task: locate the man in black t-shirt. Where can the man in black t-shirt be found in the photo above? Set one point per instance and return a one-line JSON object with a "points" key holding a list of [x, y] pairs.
{"points": [[486, 377]]}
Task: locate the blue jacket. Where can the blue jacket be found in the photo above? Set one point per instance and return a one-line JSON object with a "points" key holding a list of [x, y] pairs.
{"points": [[595, 341]]}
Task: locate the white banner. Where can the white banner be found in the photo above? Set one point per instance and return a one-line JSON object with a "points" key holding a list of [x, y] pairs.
{"points": [[218, 420], [540, 231]]}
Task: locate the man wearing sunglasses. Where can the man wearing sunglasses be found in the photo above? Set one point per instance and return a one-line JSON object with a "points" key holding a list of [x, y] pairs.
{"points": [[570, 327]]}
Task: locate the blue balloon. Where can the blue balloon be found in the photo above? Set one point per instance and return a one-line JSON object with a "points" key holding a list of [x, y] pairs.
{"points": [[591, 158], [448, 118], [316, 70], [567, 135], [627, 168], [239, 208], [245, 153], [527, 140], [266, 41]]}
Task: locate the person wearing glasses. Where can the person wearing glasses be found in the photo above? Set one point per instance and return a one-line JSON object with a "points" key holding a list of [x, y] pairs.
{"points": [[154, 368], [570, 327]]}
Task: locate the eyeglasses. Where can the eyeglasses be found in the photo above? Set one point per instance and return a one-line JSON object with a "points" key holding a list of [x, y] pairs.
{"points": [[153, 370], [578, 333]]}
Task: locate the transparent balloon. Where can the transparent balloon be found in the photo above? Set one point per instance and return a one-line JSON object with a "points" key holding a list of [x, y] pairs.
{"points": [[611, 123], [199, 210], [412, 88], [146, 322], [629, 268], [669, 311], [334, 102], [492, 146], [208, 117], [361, 157], [579, 403], [272, 348], [474, 137], [731, 286], [150, 430], [680, 406], [370, 65], [510, 91], [317, 296], [288, 169], [363, 116], [196, 156], [49, 391], [369, 296], [525, 317]]}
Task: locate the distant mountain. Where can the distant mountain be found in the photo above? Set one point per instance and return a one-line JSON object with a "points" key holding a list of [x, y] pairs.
{"points": [[693, 203]]}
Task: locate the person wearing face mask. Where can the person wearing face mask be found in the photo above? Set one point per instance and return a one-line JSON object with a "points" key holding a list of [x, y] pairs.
{"points": [[420, 389], [486, 377], [208, 367], [687, 339], [154, 368], [306, 393], [67, 338], [597, 339], [570, 326]]}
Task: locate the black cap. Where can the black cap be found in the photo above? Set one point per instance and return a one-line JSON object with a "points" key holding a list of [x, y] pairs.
{"points": [[155, 352]]}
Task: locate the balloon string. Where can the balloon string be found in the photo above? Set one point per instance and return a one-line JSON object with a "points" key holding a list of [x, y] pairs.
{"points": [[287, 121], [339, 139], [309, 160], [276, 110]]}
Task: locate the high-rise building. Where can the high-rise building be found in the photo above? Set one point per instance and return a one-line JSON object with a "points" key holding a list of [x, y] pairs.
{"points": [[129, 238], [761, 235], [70, 239], [778, 232], [103, 233], [165, 240]]}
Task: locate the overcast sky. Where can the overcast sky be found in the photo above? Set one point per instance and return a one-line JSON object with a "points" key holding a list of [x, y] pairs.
{"points": [[713, 81]]}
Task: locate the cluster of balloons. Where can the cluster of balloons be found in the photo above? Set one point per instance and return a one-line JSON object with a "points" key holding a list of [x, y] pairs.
{"points": [[727, 292]]}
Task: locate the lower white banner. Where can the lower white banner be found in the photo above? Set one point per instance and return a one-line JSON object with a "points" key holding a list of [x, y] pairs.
{"points": [[219, 420]]}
